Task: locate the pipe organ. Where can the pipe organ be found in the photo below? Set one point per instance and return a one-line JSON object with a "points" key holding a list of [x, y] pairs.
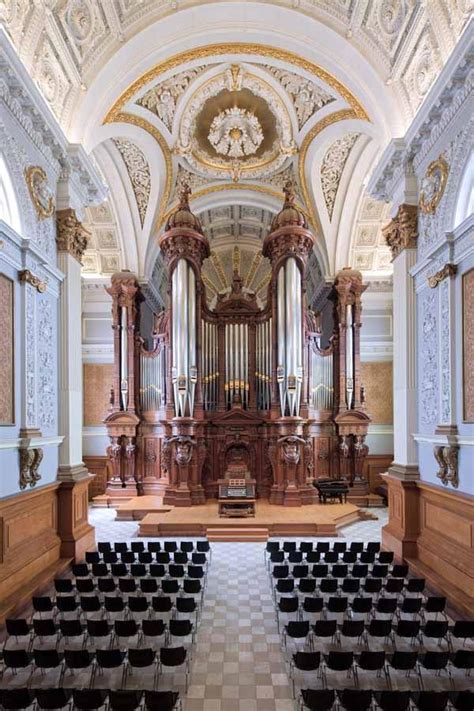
{"points": [[238, 383]]}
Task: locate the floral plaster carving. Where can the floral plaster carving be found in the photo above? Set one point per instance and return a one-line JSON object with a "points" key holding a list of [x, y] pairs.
{"points": [[402, 232], [429, 359], [138, 171], [307, 97], [163, 98], [45, 344], [235, 133], [71, 236], [30, 357], [332, 166]]}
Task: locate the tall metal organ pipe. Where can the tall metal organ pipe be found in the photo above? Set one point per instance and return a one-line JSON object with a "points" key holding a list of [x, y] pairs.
{"points": [[184, 367], [349, 356], [290, 347], [123, 359]]}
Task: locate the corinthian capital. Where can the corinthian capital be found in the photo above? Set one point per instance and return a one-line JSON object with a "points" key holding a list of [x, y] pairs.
{"points": [[402, 231], [71, 236]]}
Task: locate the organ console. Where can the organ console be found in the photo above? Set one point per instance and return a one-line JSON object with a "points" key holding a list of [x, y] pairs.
{"points": [[238, 392]]}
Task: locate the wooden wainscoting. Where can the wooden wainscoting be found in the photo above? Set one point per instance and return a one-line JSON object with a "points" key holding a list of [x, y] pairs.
{"points": [[445, 545], [432, 528], [374, 466], [98, 466], [30, 547]]}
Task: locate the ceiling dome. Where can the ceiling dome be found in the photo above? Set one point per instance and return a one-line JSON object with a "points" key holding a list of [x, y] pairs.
{"points": [[289, 215]]}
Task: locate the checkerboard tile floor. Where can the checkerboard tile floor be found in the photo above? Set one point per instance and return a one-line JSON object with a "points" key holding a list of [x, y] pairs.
{"points": [[238, 663]]}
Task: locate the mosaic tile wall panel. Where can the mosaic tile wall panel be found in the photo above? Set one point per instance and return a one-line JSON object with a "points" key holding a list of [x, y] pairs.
{"points": [[97, 383], [377, 381]]}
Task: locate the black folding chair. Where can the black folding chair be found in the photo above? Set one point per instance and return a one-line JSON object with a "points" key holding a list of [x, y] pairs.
{"points": [[305, 662]]}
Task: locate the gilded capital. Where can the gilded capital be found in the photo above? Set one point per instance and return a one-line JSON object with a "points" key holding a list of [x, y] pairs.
{"points": [[402, 231], [71, 236]]}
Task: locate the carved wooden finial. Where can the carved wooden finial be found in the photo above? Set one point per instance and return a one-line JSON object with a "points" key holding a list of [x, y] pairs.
{"points": [[184, 193], [289, 192]]}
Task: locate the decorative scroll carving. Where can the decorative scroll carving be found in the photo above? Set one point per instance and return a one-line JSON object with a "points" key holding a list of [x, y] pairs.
{"points": [[139, 173], [30, 460], [41, 196], [448, 270], [401, 232], [166, 456], [447, 458], [46, 376], [71, 236], [290, 448], [307, 97], [27, 277], [433, 185], [429, 360]]}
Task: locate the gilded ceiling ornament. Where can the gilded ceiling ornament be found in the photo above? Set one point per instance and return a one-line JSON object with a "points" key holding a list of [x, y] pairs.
{"points": [[138, 171], [433, 185], [259, 50], [163, 98], [332, 167], [41, 195], [235, 133], [307, 97]]}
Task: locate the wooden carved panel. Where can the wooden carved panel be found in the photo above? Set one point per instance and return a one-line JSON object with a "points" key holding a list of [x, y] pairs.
{"points": [[468, 344], [7, 379]]}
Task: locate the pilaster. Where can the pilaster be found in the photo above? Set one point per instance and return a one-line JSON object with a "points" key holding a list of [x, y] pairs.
{"points": [[76, 533]]}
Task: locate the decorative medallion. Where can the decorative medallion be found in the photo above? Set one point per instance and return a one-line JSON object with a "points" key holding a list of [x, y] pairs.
{"points": [[40, 193], [235, 133], [433, 185]]}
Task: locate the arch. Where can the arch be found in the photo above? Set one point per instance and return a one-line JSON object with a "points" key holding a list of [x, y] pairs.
{"points": [[9, 209], [465, 195]]}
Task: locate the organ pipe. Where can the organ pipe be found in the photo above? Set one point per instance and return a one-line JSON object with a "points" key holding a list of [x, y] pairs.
{"points": [[290, 361], [184, 369], [349, 357], [123, 358]]}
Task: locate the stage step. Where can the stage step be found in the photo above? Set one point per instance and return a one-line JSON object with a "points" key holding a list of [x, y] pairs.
{"points": [[237, 533]]}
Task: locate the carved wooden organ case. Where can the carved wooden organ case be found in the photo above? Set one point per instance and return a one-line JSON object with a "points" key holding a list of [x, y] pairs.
{"points": [[236, 381]]}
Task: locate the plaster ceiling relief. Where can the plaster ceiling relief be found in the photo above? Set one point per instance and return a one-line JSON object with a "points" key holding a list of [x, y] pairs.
{"points": [[235, 126], [138, 172], [332, 167], [82, 24], [103, 254], [306, 96], [162, 98], [369, 251], [50, 75], [237, 224]]}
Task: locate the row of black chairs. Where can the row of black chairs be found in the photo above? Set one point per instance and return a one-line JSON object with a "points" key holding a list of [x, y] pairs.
{"points": [[89, 699], [109, 586], [322, 546], [349, 557], [92, 632], [200, 546], [138, 570], [147, 557], [363, 700], [169, 602], [366, 606], [410, 630], [339, 570], [379, 662], [349, 585], [97, 661]]}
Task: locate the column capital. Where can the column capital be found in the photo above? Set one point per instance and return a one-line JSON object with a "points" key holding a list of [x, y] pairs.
{"points": [[402, 230], [71, 236]]}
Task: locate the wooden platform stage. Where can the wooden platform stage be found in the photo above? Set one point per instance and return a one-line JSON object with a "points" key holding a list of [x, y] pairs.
{"points": [[313, 520]]}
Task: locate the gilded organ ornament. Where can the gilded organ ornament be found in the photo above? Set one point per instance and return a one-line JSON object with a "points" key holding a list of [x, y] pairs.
{"points": [[41, 195], [433, 185]]}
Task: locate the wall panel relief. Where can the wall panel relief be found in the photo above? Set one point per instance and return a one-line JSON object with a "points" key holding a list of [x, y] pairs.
{"points": [[47, 377], [468, 344], [377, 381], [7, 378], [428, 359], [97, 379]]}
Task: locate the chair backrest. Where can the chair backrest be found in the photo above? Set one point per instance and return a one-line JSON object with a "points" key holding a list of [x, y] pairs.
{"points": [[153, 628], [288, 604], [180, 628], [404, 660], [162, 603], [431, 700], [393, 700], [370, 661], [321, 699], [355, 699], [127, 700], [52, 698], [307, 661], [162, 700], [339, 661], [143, 657], [325, 628], [109, 658], [313, 604], [17, 698], [125, 628], [77, 658], [435, 660], [88, 699], [172, 656], [297, 630], [435, 604], [361, 605]]}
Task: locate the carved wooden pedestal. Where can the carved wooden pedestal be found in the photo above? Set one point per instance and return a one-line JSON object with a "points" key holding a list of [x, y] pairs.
{"points": [[77, 535]]}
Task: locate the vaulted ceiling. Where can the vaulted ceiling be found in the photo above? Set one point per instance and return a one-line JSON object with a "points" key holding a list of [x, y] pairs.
{"points": [[235, 98]]}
